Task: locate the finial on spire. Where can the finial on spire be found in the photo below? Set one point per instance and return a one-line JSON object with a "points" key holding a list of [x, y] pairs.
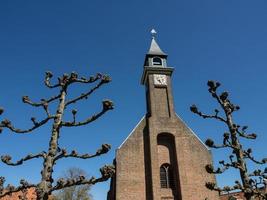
{"points": [[153, 33], [154, 47]]}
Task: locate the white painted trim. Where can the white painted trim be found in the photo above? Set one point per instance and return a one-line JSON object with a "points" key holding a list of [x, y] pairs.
{"points": [[131, 132], [193, 133]]}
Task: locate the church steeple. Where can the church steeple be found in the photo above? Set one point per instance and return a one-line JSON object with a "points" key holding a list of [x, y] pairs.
{"points": [[154, 47], [155, 56], [157, 80]]}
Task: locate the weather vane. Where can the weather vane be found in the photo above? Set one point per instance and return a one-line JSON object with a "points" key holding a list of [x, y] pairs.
{"points": [[153, 33]]}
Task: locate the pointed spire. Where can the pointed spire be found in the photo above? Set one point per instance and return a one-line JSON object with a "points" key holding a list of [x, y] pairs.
{"points": [[154, 47]]}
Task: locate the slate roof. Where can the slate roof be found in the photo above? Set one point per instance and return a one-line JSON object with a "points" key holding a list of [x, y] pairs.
{"points": [[155, 49]]}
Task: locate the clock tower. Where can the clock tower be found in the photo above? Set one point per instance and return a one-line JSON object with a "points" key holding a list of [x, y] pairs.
{"points": [[157, 80], [162, 158]]}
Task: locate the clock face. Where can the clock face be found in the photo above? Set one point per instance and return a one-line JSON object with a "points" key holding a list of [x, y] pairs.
{"points": [[160, 79]]}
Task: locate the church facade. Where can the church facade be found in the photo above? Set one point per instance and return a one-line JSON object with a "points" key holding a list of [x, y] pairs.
{"points": [[161, 159]]}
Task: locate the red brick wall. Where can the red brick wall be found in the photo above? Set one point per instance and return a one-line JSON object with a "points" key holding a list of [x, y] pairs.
{"points": [[15, 196]]}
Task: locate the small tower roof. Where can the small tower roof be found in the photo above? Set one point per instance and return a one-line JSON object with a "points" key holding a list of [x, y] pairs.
{"points": [[154, 47]]}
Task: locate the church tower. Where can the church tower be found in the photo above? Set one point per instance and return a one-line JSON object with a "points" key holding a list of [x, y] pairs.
{"points": [[161, 159]]}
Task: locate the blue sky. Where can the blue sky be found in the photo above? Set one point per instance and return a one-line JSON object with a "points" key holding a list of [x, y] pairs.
{"points": [[208, 39]]}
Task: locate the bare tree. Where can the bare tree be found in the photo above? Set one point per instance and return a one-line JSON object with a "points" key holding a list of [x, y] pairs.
{"points": [[77, 192], [252, 183], [54, 153]]}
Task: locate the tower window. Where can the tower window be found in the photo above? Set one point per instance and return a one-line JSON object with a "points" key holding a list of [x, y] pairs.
{"points": [[166, 176], [157, 61]]}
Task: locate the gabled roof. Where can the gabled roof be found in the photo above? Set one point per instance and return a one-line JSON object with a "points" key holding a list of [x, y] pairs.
{"points": [[132, 132], [192, 132]]}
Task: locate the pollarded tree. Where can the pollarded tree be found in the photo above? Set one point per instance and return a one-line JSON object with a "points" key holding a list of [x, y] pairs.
{"points": [[54, 153], [252, 183]]}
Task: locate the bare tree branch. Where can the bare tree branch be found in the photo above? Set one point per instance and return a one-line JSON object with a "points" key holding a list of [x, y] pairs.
{"points": [[105, 79], [27, 100], [7, 124], [63, 154], [7, 158], [212, 186], [107, 105], [10, 189], [247, 154], [211, 170], [195, 110], [91, 79], [48, 76], [245, 135], [210, 143], [106, 173]]}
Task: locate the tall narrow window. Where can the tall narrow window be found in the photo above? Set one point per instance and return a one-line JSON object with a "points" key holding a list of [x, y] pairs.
{"points": [[166, 176], [157, 61], [163, 177]]}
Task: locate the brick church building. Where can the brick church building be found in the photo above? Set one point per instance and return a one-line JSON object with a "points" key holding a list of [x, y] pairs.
{"points": [[162, 158]]}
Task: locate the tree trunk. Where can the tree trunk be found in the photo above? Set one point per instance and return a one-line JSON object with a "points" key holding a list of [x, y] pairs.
{"points": [[46, 184]]}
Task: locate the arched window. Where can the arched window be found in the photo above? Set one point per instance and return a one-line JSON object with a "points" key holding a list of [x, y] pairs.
{"points": [[166, 176], [157, 61], [163, 176]]}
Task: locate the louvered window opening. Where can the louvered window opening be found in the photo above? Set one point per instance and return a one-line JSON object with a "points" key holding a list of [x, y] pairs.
{"points": [[157, 61]]}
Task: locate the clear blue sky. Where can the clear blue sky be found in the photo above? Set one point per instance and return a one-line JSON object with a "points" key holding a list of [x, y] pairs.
{"points": [[208, 39]]}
